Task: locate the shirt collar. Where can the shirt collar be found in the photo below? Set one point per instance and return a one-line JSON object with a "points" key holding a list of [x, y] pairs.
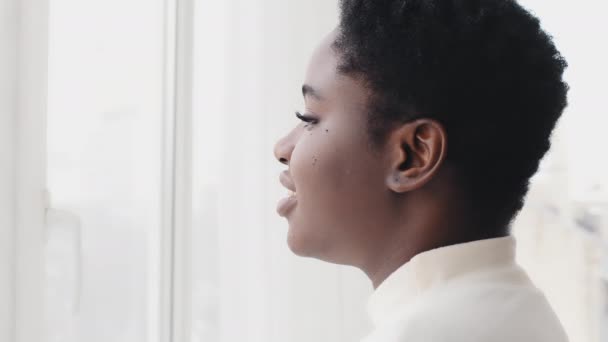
{"points": [[435, 267]]}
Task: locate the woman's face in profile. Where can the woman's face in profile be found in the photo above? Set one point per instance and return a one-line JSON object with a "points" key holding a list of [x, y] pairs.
{"points": [[341, 204]]}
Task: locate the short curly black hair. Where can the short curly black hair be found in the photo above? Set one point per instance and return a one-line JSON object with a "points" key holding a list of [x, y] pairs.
{"points": [[485, 69]]}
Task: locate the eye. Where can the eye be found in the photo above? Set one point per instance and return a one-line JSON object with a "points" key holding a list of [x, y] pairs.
{"points": [[307, 119]]}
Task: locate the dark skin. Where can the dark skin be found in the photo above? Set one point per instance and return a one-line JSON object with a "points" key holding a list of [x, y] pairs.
{"points": [[370, 207]]}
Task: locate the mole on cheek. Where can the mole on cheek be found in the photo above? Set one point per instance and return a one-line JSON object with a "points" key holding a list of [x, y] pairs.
{"points": [[314, 161]]}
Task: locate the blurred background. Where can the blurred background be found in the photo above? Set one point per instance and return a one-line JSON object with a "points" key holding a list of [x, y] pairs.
{"points": [[139, 185]]}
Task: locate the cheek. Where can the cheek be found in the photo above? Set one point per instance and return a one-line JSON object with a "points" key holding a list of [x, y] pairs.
{"points": [[335, 178], [316, 162], [340, 198]]}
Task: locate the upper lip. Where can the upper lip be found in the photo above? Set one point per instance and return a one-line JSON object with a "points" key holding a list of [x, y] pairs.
{"points": [[287, 182]]}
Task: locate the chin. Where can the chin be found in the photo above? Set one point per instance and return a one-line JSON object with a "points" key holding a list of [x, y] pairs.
{"points": [[311, 246], [305, 241], [300, 245]]}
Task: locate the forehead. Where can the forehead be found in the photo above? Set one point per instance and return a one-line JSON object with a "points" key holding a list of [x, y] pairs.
{"points": [[321, 72], [322, 75]]}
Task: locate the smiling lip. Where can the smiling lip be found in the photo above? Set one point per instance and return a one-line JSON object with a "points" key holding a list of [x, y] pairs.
{"points": [[287, 204]]}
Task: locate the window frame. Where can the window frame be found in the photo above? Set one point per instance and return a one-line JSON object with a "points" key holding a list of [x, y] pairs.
{"points": [[24, 206], [176, 199], [30, 168]]}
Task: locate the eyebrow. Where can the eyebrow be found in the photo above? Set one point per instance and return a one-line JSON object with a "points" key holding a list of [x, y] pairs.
{"points": [[310, 91]]}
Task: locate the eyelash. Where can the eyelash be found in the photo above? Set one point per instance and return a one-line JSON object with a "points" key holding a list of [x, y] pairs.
{"points": [[306, 119]]}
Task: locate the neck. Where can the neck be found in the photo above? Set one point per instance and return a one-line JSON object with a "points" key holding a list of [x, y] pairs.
{"points": [[422, 228]]}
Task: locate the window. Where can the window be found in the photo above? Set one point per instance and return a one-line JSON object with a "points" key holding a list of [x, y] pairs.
{"points": [[153, 150]]}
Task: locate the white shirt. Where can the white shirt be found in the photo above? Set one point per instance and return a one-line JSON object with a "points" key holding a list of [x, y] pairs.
{"points": [[470, 292]]}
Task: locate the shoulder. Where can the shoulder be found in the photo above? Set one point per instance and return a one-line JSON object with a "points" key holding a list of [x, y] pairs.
{"points": [[476, 311]]}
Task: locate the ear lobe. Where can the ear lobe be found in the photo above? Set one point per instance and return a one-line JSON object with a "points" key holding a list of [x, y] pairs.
{"points": [[404, 181], [421, 149]]}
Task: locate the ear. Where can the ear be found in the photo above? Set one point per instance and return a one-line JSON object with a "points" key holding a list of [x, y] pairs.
{"points": [[416, 150]]}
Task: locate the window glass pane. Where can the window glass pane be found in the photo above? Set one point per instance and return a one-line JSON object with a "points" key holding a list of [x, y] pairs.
{"points": [[104, 155]]}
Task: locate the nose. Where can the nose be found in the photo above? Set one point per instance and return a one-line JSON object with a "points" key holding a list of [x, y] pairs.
{"points": [[283, 149]]}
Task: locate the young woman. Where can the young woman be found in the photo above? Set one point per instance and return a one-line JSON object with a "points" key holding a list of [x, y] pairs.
{"points": [[424, 121]]}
